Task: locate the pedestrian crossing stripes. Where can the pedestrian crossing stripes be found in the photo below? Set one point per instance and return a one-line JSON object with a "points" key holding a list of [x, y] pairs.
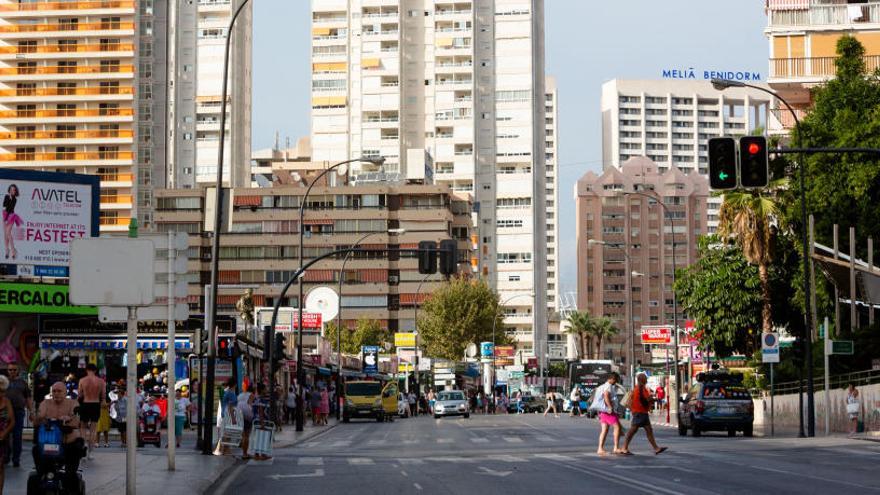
{"points": [[444, 440], [341, 443], [360, 461], [410, 462], [479, 440], [311, 461], [506, 458], [513, 439], [554, 457], [377, 442]]}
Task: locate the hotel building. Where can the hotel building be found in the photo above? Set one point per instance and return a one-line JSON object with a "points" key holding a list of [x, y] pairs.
{"points": [[464, 82]]}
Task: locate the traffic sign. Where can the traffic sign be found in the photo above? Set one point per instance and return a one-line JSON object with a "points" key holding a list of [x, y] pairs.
{"points": [[844, 347], [770, 348]]}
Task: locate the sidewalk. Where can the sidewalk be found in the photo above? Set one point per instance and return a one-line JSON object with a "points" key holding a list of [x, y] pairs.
{"points": [[195, 472], [106, 472]]}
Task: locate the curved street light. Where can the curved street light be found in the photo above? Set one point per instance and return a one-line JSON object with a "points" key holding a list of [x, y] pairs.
{"points": [[339, 313], [340, 169], [721, 85]]}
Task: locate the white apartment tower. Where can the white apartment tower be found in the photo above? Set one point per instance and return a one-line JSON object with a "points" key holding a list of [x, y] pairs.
{"points": [[551, 122], [464, 81], [199, 32], [671, 121], [68, 95]]}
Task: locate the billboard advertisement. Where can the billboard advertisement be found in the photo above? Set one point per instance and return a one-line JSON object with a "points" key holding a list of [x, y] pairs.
{"points": [[42, 213], [656, 334]]}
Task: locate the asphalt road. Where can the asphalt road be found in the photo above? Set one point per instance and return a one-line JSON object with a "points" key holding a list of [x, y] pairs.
{"points": [[530, 454]]}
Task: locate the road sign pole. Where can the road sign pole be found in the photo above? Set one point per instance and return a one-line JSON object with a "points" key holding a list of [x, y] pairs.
{"points": [[772, 405], [171, 408], [827, 380], [131, 402]]}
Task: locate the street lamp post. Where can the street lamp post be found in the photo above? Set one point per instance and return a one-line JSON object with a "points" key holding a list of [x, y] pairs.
{"points": [[675, 382], [416, 357], [300, 369], [211, 314], [339, 313], [722, 84]]}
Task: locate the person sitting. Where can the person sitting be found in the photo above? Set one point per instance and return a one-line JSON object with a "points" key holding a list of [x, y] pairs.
{"points": [[60, 408], [150, 406]]}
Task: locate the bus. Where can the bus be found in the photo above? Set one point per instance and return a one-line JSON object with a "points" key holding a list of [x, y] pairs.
{"points": [[587, 374]]}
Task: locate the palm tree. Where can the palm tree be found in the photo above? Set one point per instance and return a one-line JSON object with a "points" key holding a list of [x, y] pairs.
{"points": [[603, 328], [747, 218], [581, 325]]}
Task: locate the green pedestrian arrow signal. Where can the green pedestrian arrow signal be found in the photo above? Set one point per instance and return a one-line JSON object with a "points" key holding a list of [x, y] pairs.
{"points": [[722, 163], [723, 176]]}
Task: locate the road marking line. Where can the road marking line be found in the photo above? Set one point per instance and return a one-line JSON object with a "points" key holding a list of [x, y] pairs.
{"points": [[479, 440], [360, 461], [444, 440], [513, 439], [657, 467], [341, 443], [404, 474], [627, 482], [311, 444], [418, 486], [546, 439], [490, 472], [317, 474], [411, 461], [554, 457], [506, 458], [377, 442], [311, 461], [410, 442]]}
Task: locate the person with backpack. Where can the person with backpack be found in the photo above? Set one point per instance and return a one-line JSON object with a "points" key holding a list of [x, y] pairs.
{"points": [[640, 405], [605, 403]]}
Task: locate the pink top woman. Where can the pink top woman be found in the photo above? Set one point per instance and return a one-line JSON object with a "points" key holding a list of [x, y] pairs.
{"points": [[325, 402]]}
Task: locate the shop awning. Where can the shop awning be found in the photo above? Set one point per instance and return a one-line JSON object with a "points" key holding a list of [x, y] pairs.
{"points": [[373, 275], [318, 221], [247, 201], [319, 276], [115, 343], [324, 371]]}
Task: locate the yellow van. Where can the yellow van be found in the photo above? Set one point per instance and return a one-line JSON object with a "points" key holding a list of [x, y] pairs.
{"points": [[365, 399]]}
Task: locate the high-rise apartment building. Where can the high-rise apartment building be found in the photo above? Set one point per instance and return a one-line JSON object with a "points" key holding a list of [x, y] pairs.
{"points": [[199, 32], [637, 228], [671, 121], [76, 83], [462, 80], [551, 157], [803, 38]]}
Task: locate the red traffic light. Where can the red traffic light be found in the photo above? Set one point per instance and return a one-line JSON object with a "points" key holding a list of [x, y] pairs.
{"points": [[754, 148]]}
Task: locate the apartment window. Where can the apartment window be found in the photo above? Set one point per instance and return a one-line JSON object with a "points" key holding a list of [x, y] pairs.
{"points": [[508, 258], [65, 109], [513, 278], [29, 46], [513, 202], [509, 224]]}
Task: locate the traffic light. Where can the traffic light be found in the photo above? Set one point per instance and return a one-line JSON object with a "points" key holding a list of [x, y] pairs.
{"points": [[722, 163], [448, 257], [267, 342], [754, 168], [427, 257], [224, 347], [280, 347]]}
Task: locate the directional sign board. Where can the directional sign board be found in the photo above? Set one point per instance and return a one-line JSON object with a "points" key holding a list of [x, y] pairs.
{"points": [[844, 347], [770, 348]]}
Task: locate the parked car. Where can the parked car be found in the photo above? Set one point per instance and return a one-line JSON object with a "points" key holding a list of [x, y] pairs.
{"points": [[530, 404], [717, 402]]}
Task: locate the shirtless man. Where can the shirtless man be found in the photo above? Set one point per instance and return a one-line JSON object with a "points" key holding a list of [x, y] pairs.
{"points": [[93, 393], [60, 408]]}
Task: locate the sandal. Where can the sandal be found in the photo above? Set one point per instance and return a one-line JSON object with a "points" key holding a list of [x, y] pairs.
{"points": [[661, 450]]}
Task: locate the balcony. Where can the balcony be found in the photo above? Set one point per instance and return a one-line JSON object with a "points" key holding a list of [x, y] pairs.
{"points": [[87, 91], [43, 114], [102, 47], [784, 118], [23, 137], [115, 223], [826, 15], [116, 180], [812, 68], [46, 7], [64, 69], [126, 156], [116, 201], [63, 29]]}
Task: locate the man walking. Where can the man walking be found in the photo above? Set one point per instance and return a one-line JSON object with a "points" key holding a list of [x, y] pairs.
{"points": [[575, 399], [20, 396], [641, 407], [93, 393]]}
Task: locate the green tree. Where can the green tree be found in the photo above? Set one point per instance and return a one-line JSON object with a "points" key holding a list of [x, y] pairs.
{"points": [[747, 217], [841, 189], [457, 314], [366, 332], [721, 293], [581, 325], [603, 329]]}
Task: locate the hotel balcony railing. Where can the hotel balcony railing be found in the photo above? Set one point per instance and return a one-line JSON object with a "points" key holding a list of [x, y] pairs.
{"points": [[88, 5], [103, 47], [117, 177], [67, 26], [117, 199], [64, 156], [106, 134], [61, 69], [813, 67], [784, 116], [825, 15], [37, 114], [116, 221], [87, 91]]}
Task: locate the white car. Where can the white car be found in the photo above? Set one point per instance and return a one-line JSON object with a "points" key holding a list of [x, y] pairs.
{"points": [[451, 403]]}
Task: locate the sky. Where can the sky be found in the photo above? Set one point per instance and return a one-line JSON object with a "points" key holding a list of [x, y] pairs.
{"points": [[587, 42]]}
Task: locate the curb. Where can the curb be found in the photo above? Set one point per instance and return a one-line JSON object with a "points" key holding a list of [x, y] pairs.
{"points": [[235, 468]]}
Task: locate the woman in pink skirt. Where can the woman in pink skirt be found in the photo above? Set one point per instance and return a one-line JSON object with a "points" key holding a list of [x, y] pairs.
{"points": [[324, 408], [10, 219], [608, 413]]}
